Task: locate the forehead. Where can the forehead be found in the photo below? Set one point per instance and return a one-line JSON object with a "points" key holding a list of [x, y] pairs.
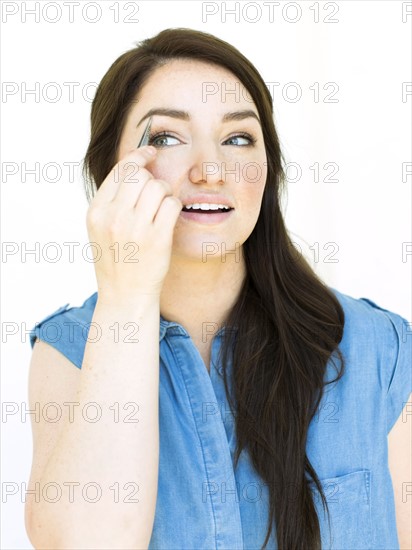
{"points": [[186, 83]]}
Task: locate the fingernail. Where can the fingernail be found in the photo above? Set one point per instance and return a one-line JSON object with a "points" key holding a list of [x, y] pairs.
{"points": [[151, 150]]}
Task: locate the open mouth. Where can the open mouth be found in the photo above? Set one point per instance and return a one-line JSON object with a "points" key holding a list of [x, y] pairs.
{"points": [[206, 215], [207, 211]]}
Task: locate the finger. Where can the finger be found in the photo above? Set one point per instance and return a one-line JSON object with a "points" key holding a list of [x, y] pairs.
{"points": [[168, 215], [150, 199], [110, 186], [134, 178]]}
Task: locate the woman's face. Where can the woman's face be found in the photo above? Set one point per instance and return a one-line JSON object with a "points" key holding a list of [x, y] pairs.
{"points": [[215, 149]]}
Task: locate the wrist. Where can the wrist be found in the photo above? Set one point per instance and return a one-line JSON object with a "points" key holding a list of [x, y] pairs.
{"points": [[128, 302]]}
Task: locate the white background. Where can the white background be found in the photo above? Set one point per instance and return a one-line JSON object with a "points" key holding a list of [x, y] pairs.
{"points": [[367, 213]]}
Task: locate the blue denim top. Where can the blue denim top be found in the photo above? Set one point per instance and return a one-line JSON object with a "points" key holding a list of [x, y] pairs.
{"points": [[202, 501]]}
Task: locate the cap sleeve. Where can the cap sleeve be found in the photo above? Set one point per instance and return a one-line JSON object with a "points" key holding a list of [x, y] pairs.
{"points": [[397, 375], [67, 330]]}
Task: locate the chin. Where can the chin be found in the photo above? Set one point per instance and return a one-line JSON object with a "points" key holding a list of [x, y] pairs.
{"points": [[207, 249]]}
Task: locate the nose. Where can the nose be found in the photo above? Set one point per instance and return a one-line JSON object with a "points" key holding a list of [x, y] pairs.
{"points": [[206, 166]]}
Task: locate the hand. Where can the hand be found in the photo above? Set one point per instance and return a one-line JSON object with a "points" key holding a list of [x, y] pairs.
{"points": [[132, 218]]}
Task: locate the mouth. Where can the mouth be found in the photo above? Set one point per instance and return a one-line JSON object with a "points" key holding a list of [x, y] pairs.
{"points": [[206, 216], [203, 211]]}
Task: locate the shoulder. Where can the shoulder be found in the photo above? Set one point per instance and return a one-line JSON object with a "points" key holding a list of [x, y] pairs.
{"points": [[367, 319], [377, 342], [67, 329]]}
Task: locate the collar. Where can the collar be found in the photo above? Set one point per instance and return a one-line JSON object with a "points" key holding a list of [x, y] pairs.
{"points": [[174, 328]]}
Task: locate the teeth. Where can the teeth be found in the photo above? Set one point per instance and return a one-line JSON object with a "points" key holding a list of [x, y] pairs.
{"points": [[206, 206]]}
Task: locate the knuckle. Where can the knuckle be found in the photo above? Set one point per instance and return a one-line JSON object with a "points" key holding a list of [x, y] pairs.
{"points": [[114, 226], [92, 216]]}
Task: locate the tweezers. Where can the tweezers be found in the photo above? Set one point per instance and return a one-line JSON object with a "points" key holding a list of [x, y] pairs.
{"points": [[146, 134]]}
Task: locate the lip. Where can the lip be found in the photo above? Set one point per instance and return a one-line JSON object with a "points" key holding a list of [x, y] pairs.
{"points": [[207, 219], [208, 198]]}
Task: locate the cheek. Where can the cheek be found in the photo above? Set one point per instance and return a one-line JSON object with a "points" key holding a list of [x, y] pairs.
{"points": [[166, 171], [163, 169], [254, 181]]}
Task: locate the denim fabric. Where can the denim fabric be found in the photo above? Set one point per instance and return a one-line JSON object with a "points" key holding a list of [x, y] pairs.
{"points": [[202, 502]]}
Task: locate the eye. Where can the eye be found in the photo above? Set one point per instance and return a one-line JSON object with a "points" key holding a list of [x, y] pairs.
{"points": [[161, 139], [250, 140]]}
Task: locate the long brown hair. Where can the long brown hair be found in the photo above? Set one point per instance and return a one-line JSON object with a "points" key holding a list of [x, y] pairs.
{"points": [[288, 321]]}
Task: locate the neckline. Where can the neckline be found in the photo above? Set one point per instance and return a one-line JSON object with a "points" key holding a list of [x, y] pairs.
{"points": [[176, 328]]}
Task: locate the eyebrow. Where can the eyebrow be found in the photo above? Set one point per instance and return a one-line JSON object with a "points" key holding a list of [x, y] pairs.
{"points": [[184, 115]]}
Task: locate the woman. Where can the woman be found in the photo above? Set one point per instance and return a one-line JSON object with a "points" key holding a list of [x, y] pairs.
{"points": [[242, 403]]}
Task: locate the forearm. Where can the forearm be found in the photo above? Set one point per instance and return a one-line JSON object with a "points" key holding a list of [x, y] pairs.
{"points": [[120, 452]]}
